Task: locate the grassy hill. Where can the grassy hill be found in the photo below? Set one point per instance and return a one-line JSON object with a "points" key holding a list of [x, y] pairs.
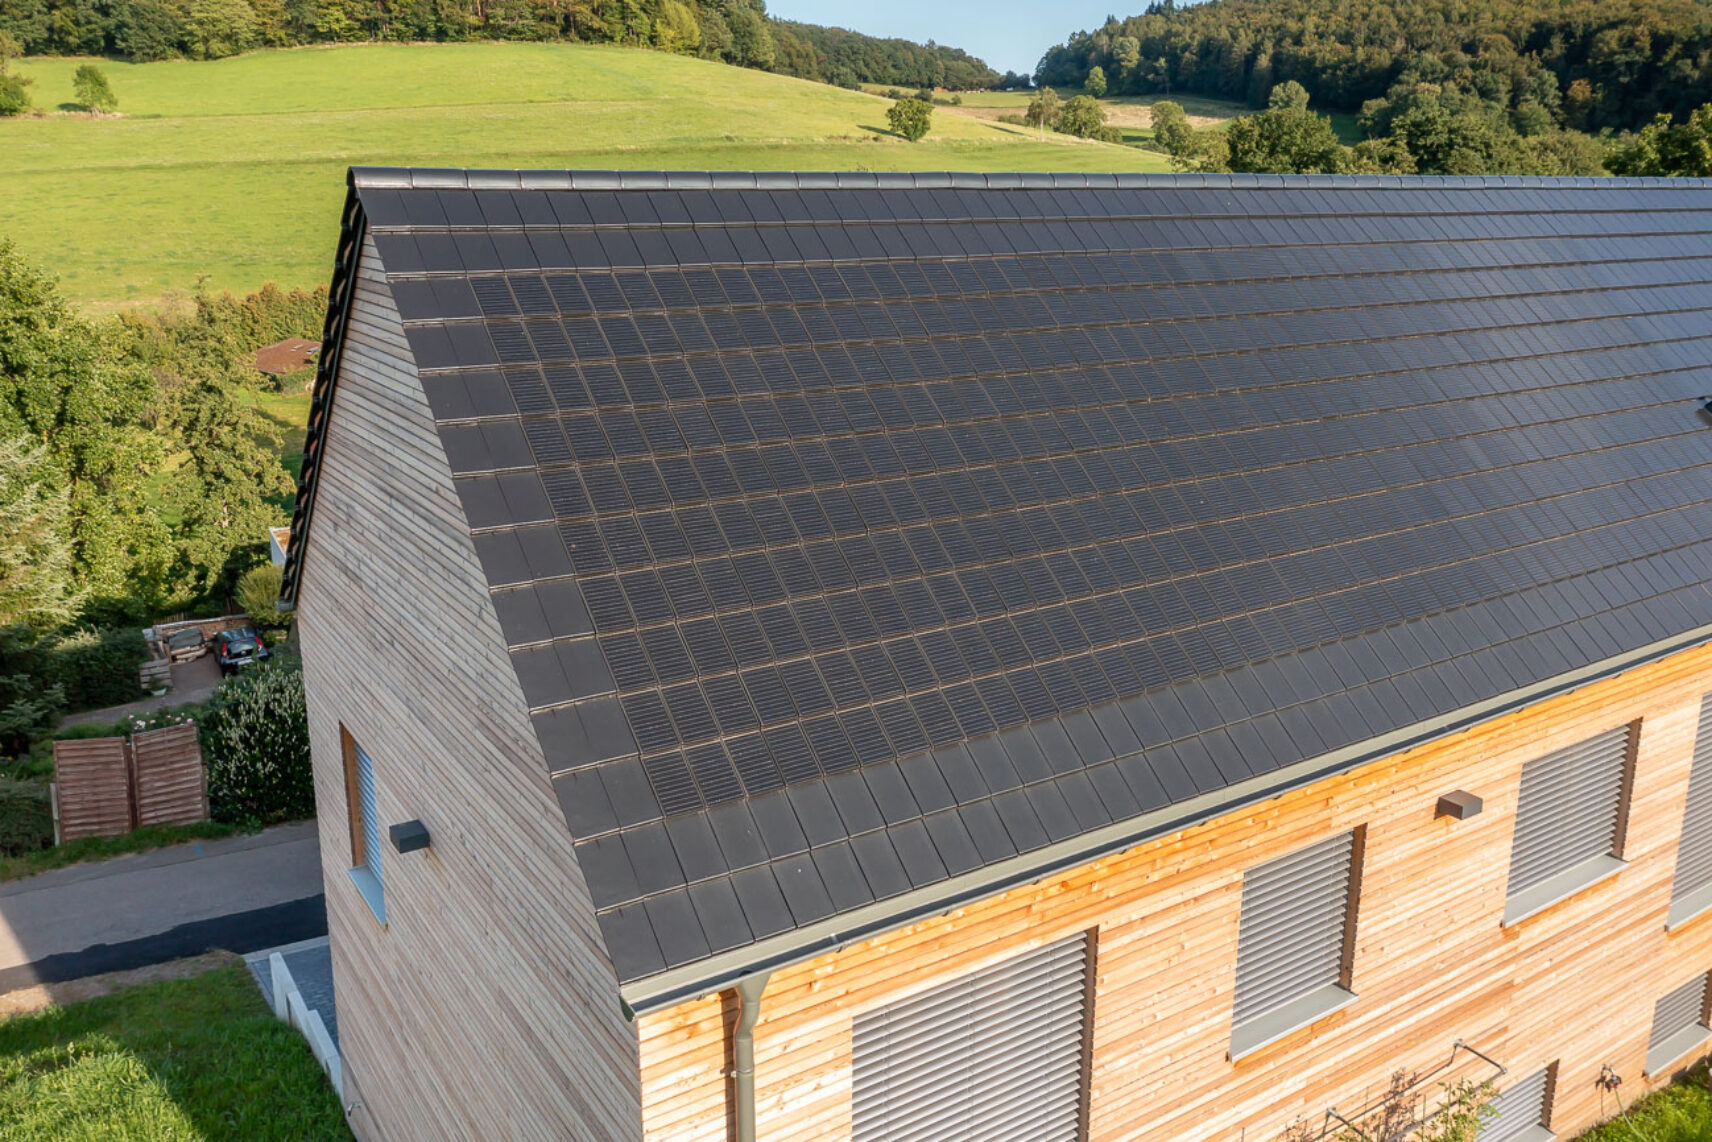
{"points": [[233, 170]]}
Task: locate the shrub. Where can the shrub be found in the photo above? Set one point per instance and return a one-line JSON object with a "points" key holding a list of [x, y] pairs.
{"points": [[257, 591], [910, 118], [255, 738], [96, 667], [14, 94], [27, 711], [26, 817], [93, 90]]}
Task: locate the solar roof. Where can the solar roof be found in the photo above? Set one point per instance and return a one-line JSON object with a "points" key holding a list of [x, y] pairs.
{"points": [[855, 533]]}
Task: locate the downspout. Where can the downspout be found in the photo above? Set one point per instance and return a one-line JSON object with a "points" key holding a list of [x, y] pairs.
{"points": [[749, 990]]}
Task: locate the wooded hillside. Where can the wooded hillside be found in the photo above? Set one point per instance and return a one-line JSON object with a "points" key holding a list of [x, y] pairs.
{"points": [[732, 31], [1585, 64]]}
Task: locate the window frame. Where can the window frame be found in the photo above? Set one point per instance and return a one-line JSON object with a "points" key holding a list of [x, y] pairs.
{"points": [[1573, 879], [364, 871], [1274, 1023], [1692, 903]]}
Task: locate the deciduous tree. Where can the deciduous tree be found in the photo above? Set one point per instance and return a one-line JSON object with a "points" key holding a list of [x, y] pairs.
{"points": [[1095, 84], [1042, 110], [910, 118], [92, 89]]}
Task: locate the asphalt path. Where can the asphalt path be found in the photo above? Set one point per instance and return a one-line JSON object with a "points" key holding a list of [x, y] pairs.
{"points": [[238, 894]]}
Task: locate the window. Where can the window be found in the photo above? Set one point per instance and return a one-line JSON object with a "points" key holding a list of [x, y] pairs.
{"points": [[1570, 820], [1679, 1025], [1295, 940], [1691, 891], [996, 1054], [365, 825], [1522, 1112]]}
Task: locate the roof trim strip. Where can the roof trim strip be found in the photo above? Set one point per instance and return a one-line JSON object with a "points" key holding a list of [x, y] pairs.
{"points": [[427, 178], [352, 225], [719, 972]]}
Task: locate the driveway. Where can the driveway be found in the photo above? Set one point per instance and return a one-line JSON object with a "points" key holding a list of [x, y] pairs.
{"points": [[192, 681], [237, 894]]}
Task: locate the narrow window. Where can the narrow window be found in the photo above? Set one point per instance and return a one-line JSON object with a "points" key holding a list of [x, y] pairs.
{"points": [[996, 1054], [1691, 891], [1296, 940], [1679, 1025], [365, 824], [1570, 820], [1522, 1111]]}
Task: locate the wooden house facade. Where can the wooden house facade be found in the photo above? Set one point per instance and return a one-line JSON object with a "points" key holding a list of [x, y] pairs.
{"points": [[1028, 657]]}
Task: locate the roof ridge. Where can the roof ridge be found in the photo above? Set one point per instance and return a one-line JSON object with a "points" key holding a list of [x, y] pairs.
{"points": [[444, 178]]}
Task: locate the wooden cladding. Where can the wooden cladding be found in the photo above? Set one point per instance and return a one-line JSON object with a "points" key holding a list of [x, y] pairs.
{"points": [[105, 787], [997, 1054]]}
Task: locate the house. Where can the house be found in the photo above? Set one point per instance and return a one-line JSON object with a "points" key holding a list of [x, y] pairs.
{"points": [[279, 539], [1009, 656], [285, 357]]}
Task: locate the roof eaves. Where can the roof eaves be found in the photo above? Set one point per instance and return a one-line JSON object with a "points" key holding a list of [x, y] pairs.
{"points": [[716, 973], [430, 178]]}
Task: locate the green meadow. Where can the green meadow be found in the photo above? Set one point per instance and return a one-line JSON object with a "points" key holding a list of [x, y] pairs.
{"points": [[230, 173]]}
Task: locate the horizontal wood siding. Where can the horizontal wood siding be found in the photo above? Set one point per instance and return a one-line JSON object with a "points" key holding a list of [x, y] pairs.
{"points": [[487, 1007], [1431, 962]]}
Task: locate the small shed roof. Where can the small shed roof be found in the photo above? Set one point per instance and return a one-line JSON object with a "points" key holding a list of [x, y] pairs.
{"points": [[287, 356], [869, 543]]}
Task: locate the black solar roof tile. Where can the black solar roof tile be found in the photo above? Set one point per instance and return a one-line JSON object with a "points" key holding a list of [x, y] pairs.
{"points": [[874, 519]]}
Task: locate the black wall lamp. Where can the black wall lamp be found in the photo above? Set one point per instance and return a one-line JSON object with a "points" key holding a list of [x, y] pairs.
{"points": [[409, 836], [1460, 805]]}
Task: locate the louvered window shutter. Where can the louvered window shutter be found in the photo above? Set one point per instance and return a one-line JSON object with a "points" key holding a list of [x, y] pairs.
{"points": [[1691, 891], [371, 818], [1295, 911], [1677, 1025], [1569, 808], [1521, 1112], [993, 1057]]}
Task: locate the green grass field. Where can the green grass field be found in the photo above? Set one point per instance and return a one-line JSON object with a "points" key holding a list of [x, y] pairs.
{"points": [[232, 171], [180, 1061]]}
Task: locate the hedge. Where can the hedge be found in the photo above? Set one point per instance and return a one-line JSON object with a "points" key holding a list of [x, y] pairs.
{"points": [[97, 667]]}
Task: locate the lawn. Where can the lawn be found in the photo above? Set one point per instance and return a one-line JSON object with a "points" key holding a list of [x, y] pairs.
{"points": [[177, 1061], [233, 170], [1681, 1112]]}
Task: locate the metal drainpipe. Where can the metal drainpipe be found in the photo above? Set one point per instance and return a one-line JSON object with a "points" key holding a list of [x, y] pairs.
{"points": [[749, 990]]}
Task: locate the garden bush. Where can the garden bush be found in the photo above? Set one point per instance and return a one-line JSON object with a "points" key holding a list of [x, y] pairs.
{"points": [[255, 739], [96, 667], [26, 817], [257, 591]]}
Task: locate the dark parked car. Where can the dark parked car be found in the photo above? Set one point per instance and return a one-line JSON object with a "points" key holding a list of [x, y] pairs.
{"points": [[184, 645], [239, 648]]}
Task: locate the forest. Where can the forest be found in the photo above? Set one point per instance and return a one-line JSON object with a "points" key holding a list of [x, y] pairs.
{"points": [[1586, 65], [732, 31]]}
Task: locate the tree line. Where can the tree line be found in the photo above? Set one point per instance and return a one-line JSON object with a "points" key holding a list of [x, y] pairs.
{"points": [[1584, 64], [732, 31]]}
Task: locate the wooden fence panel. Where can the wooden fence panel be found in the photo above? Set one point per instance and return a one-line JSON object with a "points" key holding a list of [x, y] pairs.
{"points": [[94, 788], [172, 787]]}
